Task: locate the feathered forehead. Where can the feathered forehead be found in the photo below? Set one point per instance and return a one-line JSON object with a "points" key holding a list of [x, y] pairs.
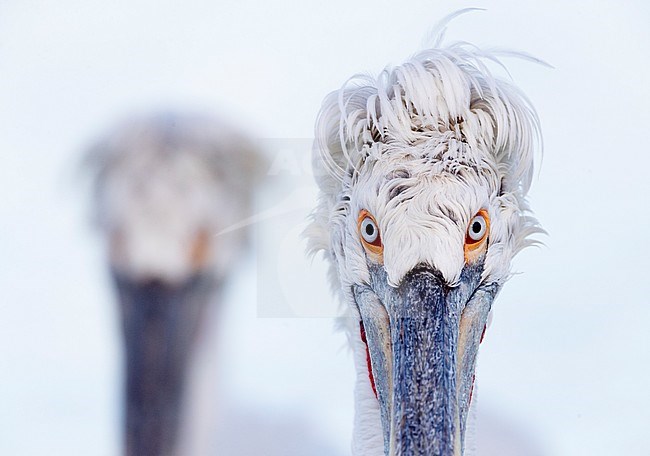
{"points": [[444, 104]]}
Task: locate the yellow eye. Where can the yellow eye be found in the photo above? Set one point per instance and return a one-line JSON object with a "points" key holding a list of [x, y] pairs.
{"points": [[476, 234], [369, 233]]}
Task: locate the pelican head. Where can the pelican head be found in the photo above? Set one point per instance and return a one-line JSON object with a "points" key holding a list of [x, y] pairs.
{"points": [[165, 185], [423, 173]]}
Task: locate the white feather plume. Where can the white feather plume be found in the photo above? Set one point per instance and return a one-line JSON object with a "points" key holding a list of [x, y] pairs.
{"points": [[443, 107]]}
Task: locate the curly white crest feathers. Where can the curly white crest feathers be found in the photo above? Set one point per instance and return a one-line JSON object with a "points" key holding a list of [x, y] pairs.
{"points": [[439, 95]]}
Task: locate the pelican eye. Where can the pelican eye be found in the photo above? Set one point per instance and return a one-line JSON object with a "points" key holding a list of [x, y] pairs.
{"points": [[477, 232], [369, 232], [477, 228]]}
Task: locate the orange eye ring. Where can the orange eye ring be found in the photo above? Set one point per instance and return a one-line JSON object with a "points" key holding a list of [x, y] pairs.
{"points": [[476, 235], [370, 235]]}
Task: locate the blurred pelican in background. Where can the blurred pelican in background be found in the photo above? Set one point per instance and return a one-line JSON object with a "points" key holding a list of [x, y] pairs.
{"points": [[164, 186]]}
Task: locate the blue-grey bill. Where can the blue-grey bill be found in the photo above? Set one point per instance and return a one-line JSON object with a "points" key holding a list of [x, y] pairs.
{"points": [[422, 362], [160, 322]]}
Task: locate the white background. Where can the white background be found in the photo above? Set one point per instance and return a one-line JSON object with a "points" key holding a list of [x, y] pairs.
{"points": [[567, 356]]}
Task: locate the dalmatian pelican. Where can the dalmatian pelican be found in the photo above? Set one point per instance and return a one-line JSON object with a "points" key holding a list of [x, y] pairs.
{"points": [[164, 186], [423, 174]]}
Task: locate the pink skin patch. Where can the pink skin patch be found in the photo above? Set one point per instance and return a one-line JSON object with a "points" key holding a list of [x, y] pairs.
{"points": [[365, 341], [471, 391]]}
